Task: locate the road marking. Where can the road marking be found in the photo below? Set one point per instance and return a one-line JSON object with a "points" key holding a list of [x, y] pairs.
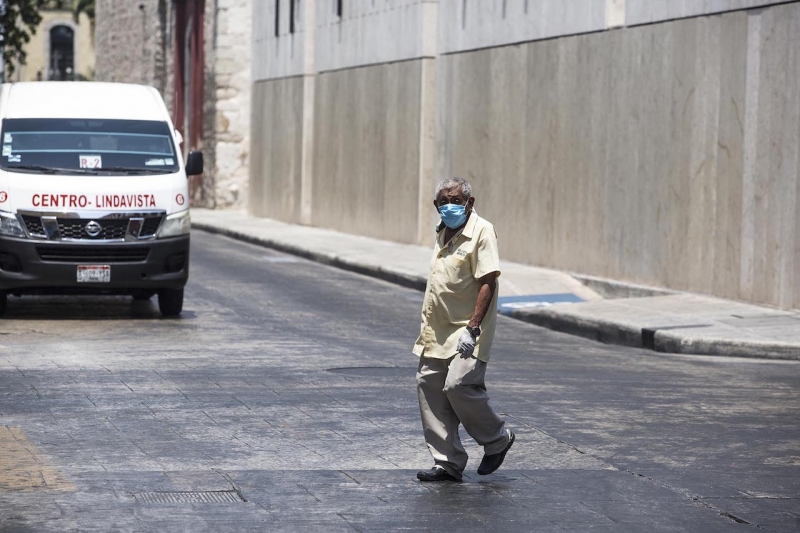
{"points": [[23, 468], [508, 304]]}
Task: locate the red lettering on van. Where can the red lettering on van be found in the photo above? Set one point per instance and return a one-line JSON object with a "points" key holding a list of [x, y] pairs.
{"points": [[124, 200]]}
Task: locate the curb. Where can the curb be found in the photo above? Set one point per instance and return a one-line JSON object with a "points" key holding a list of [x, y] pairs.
{"points": [[600, 330], [397, 277], [666, 341], [658, 340]]}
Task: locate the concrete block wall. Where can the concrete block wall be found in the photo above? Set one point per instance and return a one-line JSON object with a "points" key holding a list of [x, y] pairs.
{"points": [[648, 11], [366, 150], [472, 24], [356, 139], [648, 141], [275, 164], [320, 39], [359, 36], [282, 55], [282, 110], [770, 243], [663, 154]]}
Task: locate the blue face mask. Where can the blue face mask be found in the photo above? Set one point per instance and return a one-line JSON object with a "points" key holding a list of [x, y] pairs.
{"points": [[453, 215]]}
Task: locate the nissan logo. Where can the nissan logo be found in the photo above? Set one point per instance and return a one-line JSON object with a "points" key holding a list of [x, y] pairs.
{"points": [[93, 229]]}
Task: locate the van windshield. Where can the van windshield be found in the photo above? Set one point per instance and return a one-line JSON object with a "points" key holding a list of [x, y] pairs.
{"points": [[89, 146]]}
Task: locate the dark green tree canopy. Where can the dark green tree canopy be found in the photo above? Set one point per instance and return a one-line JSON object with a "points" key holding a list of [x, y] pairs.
{"points": [[18, 21]]}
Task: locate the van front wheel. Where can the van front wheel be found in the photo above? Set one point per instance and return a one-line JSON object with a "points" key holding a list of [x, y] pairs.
{"points": [[3, 302], [170, 302]]}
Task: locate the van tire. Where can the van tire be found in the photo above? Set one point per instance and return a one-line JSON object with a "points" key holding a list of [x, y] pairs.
{"points": [[3, 302], [170, 302]]}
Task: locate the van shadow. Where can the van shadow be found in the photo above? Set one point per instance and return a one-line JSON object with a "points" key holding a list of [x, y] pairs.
{"points": [[86, 308]]}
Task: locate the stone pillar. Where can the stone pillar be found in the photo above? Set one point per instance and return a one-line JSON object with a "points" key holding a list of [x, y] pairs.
{"points": [[427, 135], [229, 96], [307, 148]]}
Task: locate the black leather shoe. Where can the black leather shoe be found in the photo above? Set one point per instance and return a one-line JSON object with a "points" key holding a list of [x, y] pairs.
{"points": [[490, 463], [436, 474]]}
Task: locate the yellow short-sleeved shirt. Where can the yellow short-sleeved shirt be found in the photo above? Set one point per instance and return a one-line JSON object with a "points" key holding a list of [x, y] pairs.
{"points": [[452, 290]]}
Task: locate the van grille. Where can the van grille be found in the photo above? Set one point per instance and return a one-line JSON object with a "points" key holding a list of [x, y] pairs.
{"points": [[33, 225], [94, 254], [150, 226], [75, 228]]}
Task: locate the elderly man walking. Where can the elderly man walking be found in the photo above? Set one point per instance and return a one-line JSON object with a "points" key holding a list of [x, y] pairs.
{"points": [[458, 318]]}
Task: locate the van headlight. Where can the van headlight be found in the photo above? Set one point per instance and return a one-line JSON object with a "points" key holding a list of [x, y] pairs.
{"points": [[175, 225], [10, 226]]}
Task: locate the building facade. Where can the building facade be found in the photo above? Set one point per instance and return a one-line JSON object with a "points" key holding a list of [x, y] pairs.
{"points": [[197, 54], [60, 49], [650, 141]]}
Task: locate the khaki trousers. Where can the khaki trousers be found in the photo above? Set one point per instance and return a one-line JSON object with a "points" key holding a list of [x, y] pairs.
{"points": [[452, 392]]}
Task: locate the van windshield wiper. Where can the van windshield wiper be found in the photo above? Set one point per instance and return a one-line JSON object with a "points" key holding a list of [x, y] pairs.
{"points": [[135, 170], [50, 170]]}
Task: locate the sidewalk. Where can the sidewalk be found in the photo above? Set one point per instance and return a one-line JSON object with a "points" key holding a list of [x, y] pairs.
{"points": [[659, 320]]}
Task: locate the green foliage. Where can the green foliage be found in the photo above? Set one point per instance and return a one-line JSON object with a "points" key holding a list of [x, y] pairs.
{"points": [[83, 6], [18, 21]]}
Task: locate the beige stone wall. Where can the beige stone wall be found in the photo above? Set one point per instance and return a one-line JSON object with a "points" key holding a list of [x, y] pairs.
{"points": [[134, 45], [664, 154], [366, 150], [275, 165], [232, 53], [38, 49]]}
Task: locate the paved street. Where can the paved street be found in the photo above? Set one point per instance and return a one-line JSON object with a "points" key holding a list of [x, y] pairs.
{"points": [[284, 400]]}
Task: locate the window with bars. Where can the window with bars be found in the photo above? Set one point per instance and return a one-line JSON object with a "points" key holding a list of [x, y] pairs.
{"points": [[62, 53]]}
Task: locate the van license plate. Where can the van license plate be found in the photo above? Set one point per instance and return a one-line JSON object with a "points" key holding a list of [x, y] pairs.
{"points": [[94, 273]]}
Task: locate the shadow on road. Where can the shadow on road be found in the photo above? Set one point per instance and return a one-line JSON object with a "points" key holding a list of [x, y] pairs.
{"points": [[84, 307]]}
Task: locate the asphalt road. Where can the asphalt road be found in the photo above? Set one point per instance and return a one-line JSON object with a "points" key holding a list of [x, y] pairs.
{"points": [[283, 400]]}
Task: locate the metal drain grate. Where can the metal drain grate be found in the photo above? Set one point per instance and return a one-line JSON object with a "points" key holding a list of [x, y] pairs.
{"points": [[221, 496]]}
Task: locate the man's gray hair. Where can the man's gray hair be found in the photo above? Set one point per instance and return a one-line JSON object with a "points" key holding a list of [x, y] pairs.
{"points": [[449, 183]]}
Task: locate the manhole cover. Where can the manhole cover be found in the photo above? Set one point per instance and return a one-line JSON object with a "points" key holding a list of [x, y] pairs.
{"points": [[221, 496], [373, 371]]}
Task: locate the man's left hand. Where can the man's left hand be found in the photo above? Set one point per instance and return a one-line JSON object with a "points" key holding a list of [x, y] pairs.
{"points": [[466, 344]]}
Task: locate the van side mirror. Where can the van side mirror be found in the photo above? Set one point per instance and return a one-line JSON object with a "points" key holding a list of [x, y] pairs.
{"points": [[194, 163]]}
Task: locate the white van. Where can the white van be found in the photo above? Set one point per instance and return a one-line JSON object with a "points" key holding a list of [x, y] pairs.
{"points": [[93, 193]]}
